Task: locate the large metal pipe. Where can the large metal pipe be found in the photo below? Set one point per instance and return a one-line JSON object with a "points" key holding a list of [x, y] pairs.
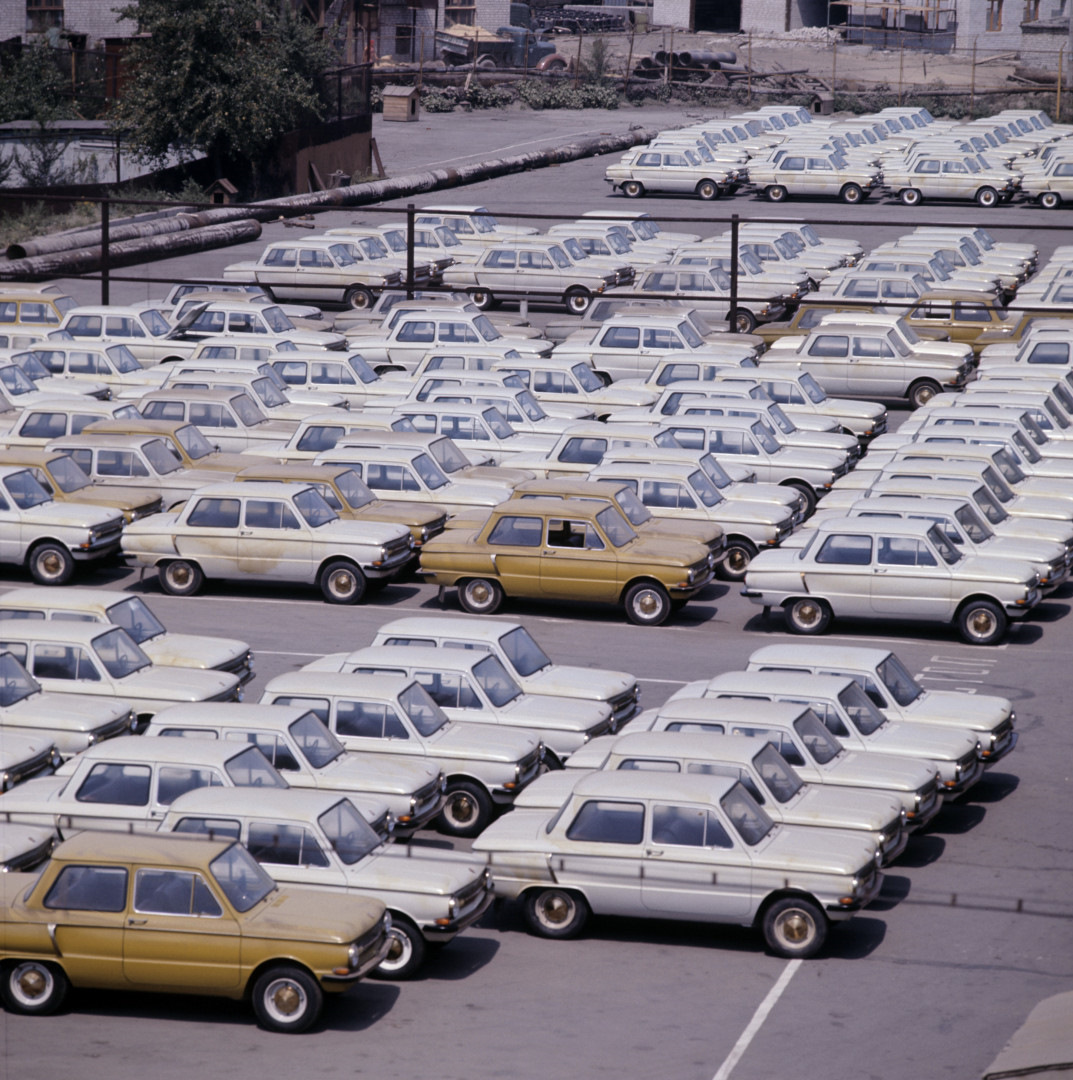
{"points": [[87, 260], [71, 241]]}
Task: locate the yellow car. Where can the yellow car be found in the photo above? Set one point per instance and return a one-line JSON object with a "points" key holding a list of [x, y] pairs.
{"points": [[170, 914]]}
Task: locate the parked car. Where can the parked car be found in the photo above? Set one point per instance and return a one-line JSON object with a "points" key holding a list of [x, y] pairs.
{"points": [[946, 176], [812, 173], [282, 949], [486, 765], [891, 569], [671, 837], [322, 842], [230, 418], [676, 170], [268, 532]]}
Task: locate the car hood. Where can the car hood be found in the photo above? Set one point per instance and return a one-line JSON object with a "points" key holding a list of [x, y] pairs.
{"points": [[561, 680], [987, 710], [177, 684], [387, 774], [552, 714], [394, 868], [922, 740], [1041, 506], [977, 567], [660, 550], [473, 492], [18, 840], [897, 773], [364, 531], [798, 849], [192, 650], [292, 913], [72, 712], [36, 795], [550, 791], [485, 741], [828, 806], [520, 830], [72, 515]]}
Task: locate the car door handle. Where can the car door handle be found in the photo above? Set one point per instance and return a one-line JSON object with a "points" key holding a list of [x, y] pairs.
{"points": [[879, 569], [655, 852], [136, 922]]}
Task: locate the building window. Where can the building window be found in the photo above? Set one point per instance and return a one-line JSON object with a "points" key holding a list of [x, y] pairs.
{"points": [[1031, 11], [404, 40], [460, 12], [43, 15], [994, 15]]}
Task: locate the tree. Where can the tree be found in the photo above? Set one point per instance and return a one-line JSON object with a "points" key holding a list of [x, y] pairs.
{"points": [[224, 78], [33, 87]]}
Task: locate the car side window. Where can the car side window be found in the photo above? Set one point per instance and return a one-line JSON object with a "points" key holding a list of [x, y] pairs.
{"points": [[211, 416], [448, 689], [583, 451], [120, 463], [64, 662], [688, 826], [417, 330], [217, 828], [174, 892], [502, 260], [89, 888], [846, 550], [602, 822], [285, 845], [829, 345], [903, 551], [621, 337], [517, 531], [280, 257], [269, 514], [117, 784], [368, 720], [44, 426], [175, 780], [563, 533], [214, 514], [320, 437], [292, 372], [685, 725], [164, 410], [931, 167], [276, 749]]}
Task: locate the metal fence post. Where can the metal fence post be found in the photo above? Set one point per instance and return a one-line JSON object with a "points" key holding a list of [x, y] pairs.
{"points": [[410, 240], [105, 246], [731, 318]]}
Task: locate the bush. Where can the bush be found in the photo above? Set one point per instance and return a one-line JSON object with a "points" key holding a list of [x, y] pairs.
{"points": [[438, 101]]}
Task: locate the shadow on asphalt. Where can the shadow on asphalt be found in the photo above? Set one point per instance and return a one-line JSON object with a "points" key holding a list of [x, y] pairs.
{"points": [[921, 851], [895, 889], [958, 818], [993, 788]]}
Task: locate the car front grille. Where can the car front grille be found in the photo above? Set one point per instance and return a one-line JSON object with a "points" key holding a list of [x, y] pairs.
{"points": [[468, 898], [47, 760], [426, 798], [528, 767], [624, 705], [29, 860], [114, 729]]}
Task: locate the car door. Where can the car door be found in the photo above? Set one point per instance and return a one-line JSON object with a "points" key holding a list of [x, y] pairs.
{"points": [[278, 270], [314, 271], [218, 424], [822, 177], [292, 852], [826, 356], [958, 182], [601, 852], [577, 563], [370, 727], [180, 934], [910, 580], [840, 572], [695, 865], [411, 339], [874, 367], [515, 546], [208, 535], [273, 542]]}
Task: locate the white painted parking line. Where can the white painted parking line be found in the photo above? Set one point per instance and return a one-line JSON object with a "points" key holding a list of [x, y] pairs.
{"points": [[665, 682], [758, 1019]]}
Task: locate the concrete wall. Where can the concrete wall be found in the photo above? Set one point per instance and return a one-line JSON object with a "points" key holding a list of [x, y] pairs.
{"points": [[674, 13], [764, 16], [972, 26]]}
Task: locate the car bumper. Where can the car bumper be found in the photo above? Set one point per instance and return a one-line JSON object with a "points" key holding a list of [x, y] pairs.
{"points": [[1003, 747], [445, 933]]}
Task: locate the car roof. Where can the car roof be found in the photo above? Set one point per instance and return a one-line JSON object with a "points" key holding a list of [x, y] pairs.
{"points": [[853, 658], [189, 392], [139, 847], [103, 440], [893, 527], [673, 787], [732, 710], [302, 804], [685, 744], [571, 487], [415, 656], [449, 626], [64, 596], [53, 630], [374, 453], [261, 490], [296, 472], [137, 748], [228, 714], [339, 684]]}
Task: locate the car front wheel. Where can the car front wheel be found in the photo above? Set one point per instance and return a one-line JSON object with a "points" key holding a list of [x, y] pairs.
{"points": [[776, 193], [911, 197], [708, 190], [647, 604], [33, 987], [180, 577], [481, 298], [807, 615], [51, 564], [981, 622], [633, 189], [342, 582], [406, 951], [922, 391], [987, 196], [1050, 200], [480, 596], [555, 913], [287, 999], [359, 298], [468, 810], [851, 193], [795, 928], [577, 300], [739, 554]]}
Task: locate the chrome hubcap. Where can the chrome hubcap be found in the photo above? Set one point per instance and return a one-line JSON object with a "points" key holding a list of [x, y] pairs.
{"points": [[982, 623], [342, 583], [180, 575], [50, 563], [555, 909], [647, 603], [32, 983], [795, 927], [463, 809], [807, 614]]}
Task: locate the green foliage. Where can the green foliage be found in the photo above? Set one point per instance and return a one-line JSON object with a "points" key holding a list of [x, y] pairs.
{"points": [[39, 219], [489, 97], [221, 77], [40, 163], [598, 64], [438, 101], [561, 94], [33, 87]]}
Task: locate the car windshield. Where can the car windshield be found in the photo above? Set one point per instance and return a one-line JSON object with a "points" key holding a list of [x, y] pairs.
{"points": [[341, 254], [317, 744], [705, 490], [689, 335], [119, 653], [193, 442], [66, 474], [999, 488], [123, 360], [777, 774], [894, 675], [353, 489], [496, 682], [784, 423], [448, 456], [16, 682], [631, 506], [155, 323], [424, 713], [897, 344], [161, 456], [430, 473], [31, 366], [361, 368], [268, 393], [715, 472], [529, 405], [947, 551], [15, 380], [25, 490], [523, 653], [864, 715], [134, 617], [278, 323], [242, 879], [498, 423], [615, 526], [819, 742], [587, 379], [991, 507], [314, 508], [746, 815], [765, 437], [486, 328], [812, 388], [247, 411], [351, 836]]}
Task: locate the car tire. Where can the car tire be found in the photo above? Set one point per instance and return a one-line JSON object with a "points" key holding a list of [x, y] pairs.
{"points": [[911, 197], [633, 189], [287, 999], [555, 913], [981, 622], [577, 300], [739, 553], [921, 392], [1050, 200], [987, 197], [51, 564], [807, 494], [467, 811], [707, 190], [794, 928], [776, 193], [359, 298], [851, 193], [807, 615], [341, 582], [481, 298], [180, 577], [33, 988], [647, 604], [406, 953], [480, 596], [744, 321]]}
